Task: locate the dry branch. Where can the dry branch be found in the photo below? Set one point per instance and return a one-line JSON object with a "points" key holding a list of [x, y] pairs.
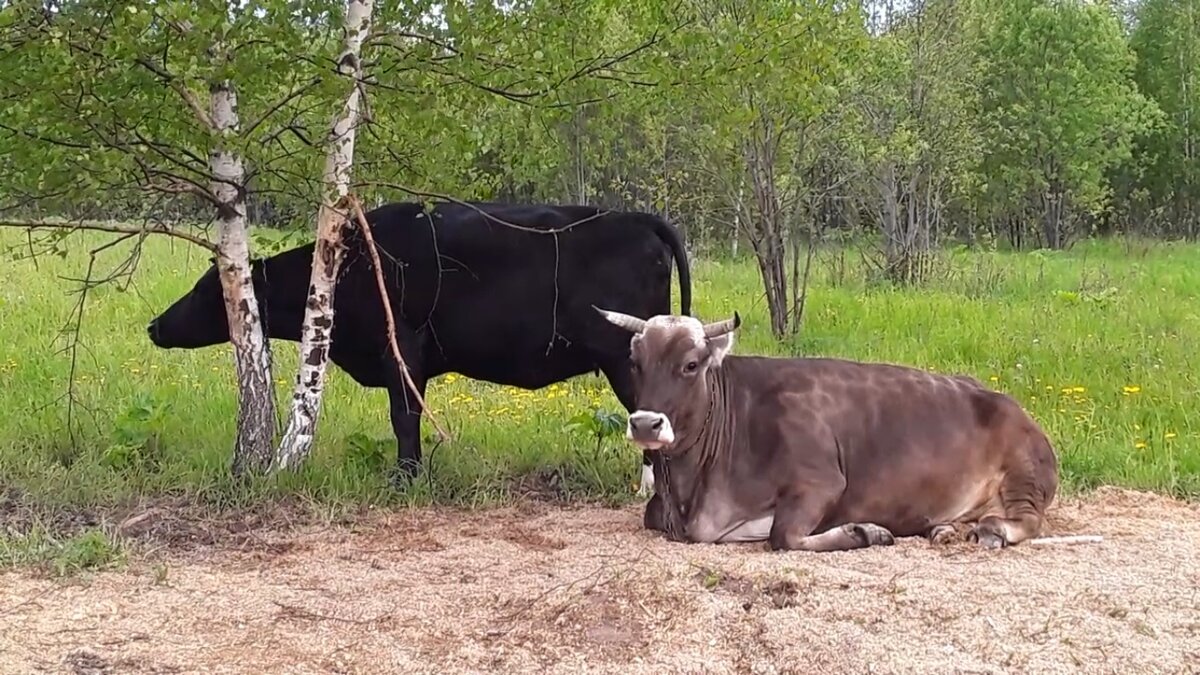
{"points": [[165, 230], [1067, 540], [391, 319]]}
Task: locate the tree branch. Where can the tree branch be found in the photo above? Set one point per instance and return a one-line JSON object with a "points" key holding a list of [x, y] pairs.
{"points": [[185, 93], [391, 319], [162, 229]]}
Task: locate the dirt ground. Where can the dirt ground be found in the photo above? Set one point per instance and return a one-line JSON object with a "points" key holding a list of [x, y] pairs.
{"points": [[544, 589]]}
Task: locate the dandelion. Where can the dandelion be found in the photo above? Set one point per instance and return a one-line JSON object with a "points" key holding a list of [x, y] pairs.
{"points": [[994, 378], [1130, 389], [1169, 435], [1140, 445]]}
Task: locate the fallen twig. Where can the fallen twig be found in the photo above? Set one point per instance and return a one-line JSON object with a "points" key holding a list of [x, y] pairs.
{"points": [[294, 612], [391, 319], [1067, 540]]}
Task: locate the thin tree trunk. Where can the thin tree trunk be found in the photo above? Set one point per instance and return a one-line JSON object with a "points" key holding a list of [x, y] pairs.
{"points": [[251, 350], [317, 330]]}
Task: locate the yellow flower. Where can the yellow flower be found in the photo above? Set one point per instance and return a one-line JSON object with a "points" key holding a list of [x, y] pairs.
{"points": [[1139, 445], [1078, 390], [1169, 434], [994, 378], [1130, 389]]}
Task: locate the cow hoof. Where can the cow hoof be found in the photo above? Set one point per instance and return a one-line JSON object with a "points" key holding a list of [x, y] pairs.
{"points": [[988, 539], [870, 534], [941, 535], [404, 473]]}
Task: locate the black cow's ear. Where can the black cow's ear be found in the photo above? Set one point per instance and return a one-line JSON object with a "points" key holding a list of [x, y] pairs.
{"points": [[212, 259]]}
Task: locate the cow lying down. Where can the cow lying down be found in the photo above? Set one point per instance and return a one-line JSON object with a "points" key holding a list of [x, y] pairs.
{"points": [[821, 454]]}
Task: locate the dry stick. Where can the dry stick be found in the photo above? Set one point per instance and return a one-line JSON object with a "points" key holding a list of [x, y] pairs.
{"points": [[1067, 540], [387, 311]]}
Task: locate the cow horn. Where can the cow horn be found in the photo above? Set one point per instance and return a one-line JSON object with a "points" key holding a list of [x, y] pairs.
{"points": [[719, 328], [629, 323]]}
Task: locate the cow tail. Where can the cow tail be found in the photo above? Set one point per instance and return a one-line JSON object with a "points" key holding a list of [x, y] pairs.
{"points": [[670, 235]]}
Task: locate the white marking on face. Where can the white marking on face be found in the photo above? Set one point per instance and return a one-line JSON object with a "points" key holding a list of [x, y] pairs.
{"points": [[650, 430], [718, 347], [691, 325], [647, 487]]}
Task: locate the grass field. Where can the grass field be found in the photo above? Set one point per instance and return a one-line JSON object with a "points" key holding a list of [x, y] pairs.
{"points": [[1097, 343]]}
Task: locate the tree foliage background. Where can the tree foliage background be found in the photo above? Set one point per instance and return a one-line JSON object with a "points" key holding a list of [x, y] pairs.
{"points": [[760, 125]]}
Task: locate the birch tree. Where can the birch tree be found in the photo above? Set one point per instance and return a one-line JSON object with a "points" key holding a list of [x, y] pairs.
{"points": [[132, 103], [317, 330], [251, 349]]}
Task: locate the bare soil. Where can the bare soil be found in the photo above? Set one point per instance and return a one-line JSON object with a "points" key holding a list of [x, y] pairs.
{"points": [[541, 588]]}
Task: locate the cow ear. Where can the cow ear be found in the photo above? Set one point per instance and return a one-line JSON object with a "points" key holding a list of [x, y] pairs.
{"points": [[719, 347]]}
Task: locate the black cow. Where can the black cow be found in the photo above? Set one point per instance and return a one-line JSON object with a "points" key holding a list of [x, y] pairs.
{"points": [[470, 295]]}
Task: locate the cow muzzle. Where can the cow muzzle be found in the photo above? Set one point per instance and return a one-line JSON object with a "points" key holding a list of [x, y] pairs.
{"points": [[650, 430], [155, 333]]}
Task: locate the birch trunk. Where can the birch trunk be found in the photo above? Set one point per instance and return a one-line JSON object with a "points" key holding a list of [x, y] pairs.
{"points": [[251, 350], [317, 331]]}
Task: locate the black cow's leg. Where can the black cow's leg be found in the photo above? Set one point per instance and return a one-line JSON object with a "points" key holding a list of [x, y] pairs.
{"points": [[406, 410]]}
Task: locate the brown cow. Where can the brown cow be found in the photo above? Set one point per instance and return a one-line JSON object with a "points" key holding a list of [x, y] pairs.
{"points": [[822, 454]]}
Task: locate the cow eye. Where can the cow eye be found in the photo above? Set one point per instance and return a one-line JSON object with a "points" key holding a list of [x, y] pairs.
{"points": [[691, 366]]}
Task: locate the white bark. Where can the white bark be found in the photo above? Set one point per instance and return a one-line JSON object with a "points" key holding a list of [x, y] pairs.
{"points": [[251, 350], [317, 330]]}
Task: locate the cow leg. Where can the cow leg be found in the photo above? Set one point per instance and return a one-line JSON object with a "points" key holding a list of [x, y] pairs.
{"points": [[655, 517], [799, 513], [406, 410], [1025, 492], [621, 382], [844, 538]]}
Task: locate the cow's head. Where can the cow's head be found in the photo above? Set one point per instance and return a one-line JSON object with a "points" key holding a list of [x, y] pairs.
{"points": [[671, 357], [198, 319]]}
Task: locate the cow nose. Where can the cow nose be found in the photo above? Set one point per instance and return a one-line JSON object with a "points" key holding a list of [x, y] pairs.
{"points": [[650, 426]]}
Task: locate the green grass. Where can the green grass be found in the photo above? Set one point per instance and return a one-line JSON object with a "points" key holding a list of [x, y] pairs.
{"points": [[90, 550], [1069, 334]]}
